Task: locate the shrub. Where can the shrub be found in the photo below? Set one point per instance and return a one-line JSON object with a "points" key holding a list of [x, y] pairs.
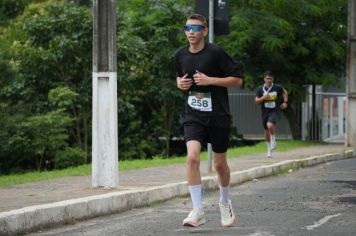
{"points": [[71, 156]]}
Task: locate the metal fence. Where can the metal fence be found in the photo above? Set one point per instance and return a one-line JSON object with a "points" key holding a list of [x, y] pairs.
{"points": [[322, 115], [326, 119], [247, 116]]}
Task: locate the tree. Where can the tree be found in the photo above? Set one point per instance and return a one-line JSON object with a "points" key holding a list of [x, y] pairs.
{"points": [[44, 135], [10, 9], [47, 47], [303, 42], [146, 72]]}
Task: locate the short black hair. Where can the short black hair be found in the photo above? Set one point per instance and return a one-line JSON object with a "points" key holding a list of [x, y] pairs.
{"points": [[198, 17], [267, 73]]}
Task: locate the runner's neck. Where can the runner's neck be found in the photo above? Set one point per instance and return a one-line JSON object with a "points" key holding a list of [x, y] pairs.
{"points": [[266, 89]]}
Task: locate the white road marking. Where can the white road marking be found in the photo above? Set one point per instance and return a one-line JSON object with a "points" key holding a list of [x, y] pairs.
{"points": [[261, 234], [321, 221]]}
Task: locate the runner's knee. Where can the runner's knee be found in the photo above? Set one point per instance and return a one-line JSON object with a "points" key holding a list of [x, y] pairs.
{"points": [[193, 161], [270, 126], [220, 165]]}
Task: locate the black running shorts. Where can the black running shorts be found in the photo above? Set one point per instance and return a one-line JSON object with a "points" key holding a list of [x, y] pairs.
{"points": [[269, 117], [217, 136]]}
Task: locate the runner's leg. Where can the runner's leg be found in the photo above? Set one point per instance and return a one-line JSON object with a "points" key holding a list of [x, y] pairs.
{"points": [[193, 172]]}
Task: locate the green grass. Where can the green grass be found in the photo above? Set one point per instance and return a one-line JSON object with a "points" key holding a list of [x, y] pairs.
{"points": [[141, 164]]}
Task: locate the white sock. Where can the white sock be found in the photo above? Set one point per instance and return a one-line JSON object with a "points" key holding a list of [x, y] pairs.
{"points": [[224, 194], [268, 145], [273, 138], [195, 195]]}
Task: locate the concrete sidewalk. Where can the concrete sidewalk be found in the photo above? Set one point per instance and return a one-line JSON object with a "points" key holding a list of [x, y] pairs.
{"points": [[27, 207]]}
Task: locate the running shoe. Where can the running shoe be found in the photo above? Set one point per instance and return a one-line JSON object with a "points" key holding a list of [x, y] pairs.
{"points": [[195, 218], [228, 217]]}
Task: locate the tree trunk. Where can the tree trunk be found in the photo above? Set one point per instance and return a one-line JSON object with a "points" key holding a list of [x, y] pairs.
{"points": [[292, 115], [39, 160], [76, 130]]}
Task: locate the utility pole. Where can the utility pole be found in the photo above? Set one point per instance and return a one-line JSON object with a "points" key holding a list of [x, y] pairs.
{"points": [[351, 76], [211, 40], [104, 131]]}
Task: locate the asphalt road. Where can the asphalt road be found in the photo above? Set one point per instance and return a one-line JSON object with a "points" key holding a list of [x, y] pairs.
{"points": [[312, 201]]}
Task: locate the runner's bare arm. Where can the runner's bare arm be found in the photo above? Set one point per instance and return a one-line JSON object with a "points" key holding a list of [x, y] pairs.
{"points": [[259, 100], [230, 81], [284, 105]]}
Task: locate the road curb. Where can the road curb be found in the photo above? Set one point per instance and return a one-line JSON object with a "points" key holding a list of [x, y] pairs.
{"points": [[32, 218]]}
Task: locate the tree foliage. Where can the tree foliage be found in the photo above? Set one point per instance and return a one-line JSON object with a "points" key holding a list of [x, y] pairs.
{"points": [[10, 9], [48, 59], [146, 71], [299, 40]]}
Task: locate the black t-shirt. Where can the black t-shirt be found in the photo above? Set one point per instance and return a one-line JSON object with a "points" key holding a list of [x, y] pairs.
{"points": [[214, 62], [275, 100]]}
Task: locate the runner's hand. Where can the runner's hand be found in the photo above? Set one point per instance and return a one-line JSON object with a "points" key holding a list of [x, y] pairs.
{"points": [[283, 106], [184, 83], [201, 79], [265, 96]]}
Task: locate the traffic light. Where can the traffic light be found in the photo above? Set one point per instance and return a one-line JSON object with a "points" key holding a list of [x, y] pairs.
{"points": [[221, 14]]}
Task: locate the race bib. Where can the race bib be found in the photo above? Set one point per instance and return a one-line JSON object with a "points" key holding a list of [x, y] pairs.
{"points": [[200, 101], [270, 104]]}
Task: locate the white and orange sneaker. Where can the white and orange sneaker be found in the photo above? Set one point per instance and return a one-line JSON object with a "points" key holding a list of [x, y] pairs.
{"points": [[195, 218], [228, 217]]}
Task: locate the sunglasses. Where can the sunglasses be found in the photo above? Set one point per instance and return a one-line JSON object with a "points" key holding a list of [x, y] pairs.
{"points": [[195, 28]]}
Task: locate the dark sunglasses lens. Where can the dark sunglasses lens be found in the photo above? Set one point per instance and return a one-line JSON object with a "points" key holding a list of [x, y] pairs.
{"points": [[195, 28]]}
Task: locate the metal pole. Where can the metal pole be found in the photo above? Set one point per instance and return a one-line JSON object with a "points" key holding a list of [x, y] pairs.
{"points": [[105, 172], [211, 40], [351, 76], [211, 21], [313, 123]]}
